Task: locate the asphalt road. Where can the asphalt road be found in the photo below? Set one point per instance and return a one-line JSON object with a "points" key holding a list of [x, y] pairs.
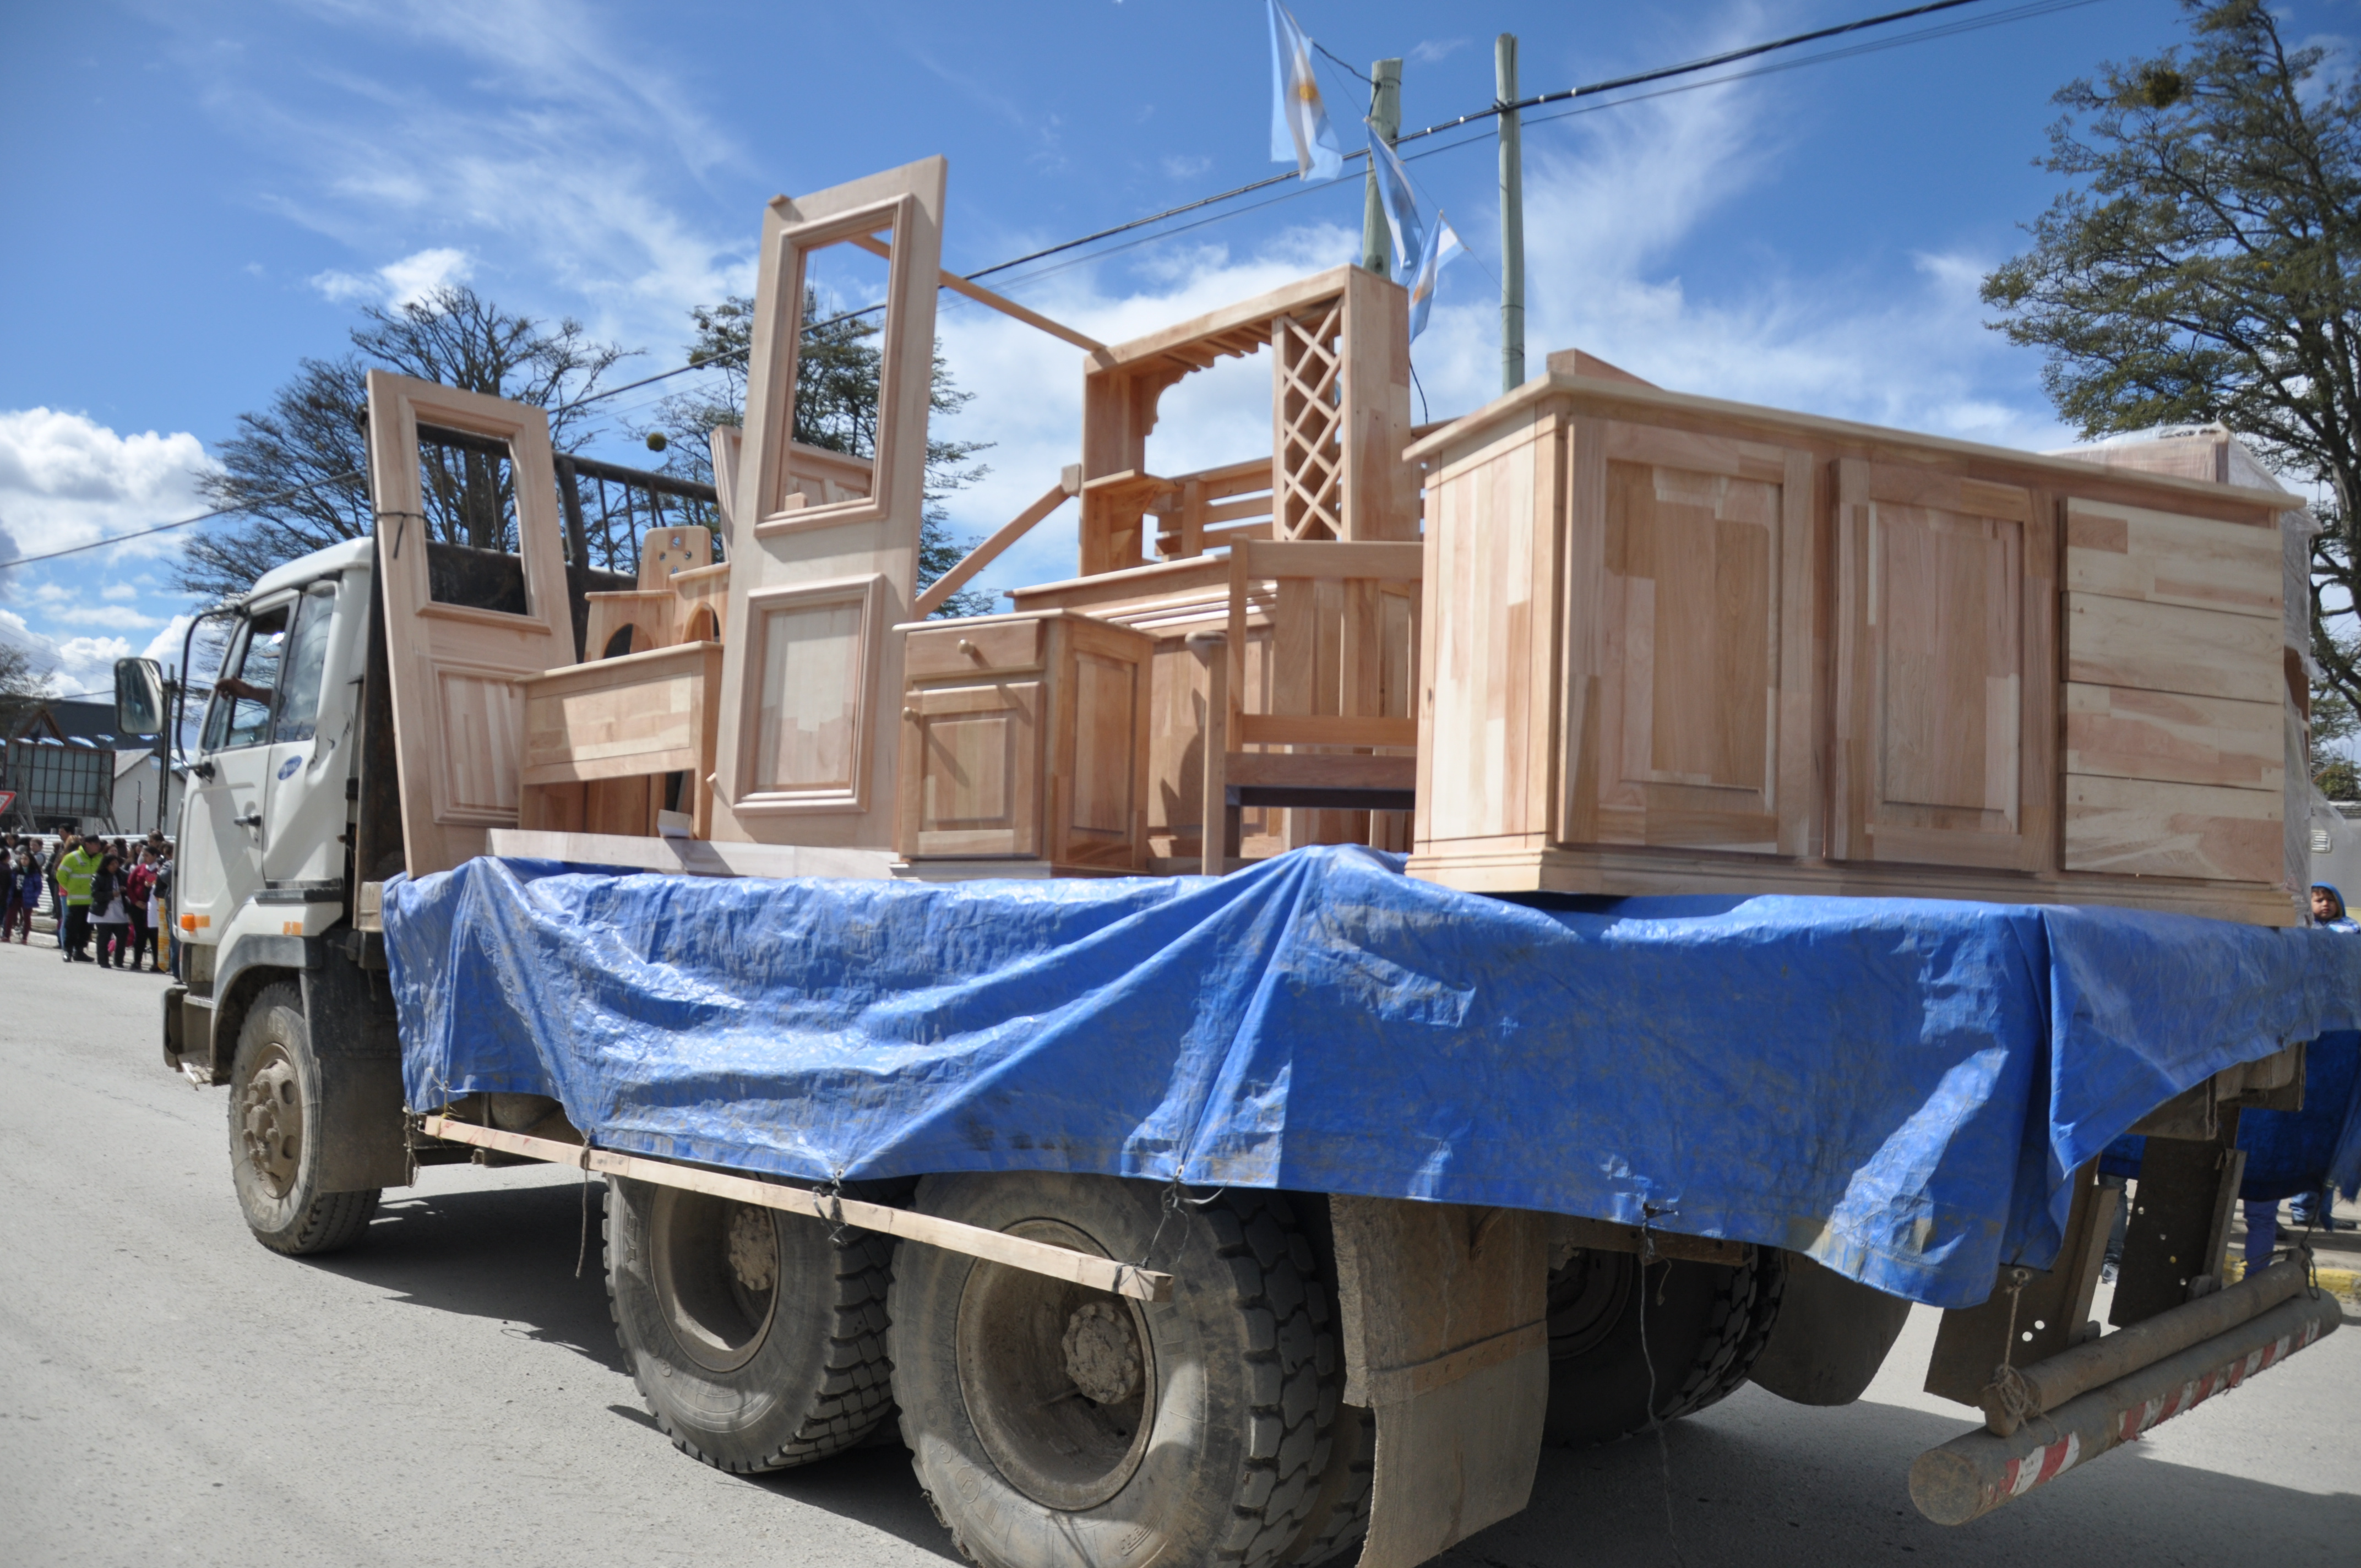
{"points": [[450, 1391]]}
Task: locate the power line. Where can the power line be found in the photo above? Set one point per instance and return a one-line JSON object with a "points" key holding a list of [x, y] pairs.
{"points": [[201, 517], [1660, 74], [1690, 67]]}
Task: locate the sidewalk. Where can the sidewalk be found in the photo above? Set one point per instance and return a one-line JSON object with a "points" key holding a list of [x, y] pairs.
{"points": [[2336, 1256]]}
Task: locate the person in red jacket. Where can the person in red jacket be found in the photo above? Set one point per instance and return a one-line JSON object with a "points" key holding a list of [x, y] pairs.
{"points": [[138, 887]]}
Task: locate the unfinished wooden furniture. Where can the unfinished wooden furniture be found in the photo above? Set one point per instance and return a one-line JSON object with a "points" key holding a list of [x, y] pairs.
{"points": [[600, 738], [463, 623], [1024, 740], [818, 579], [653, 614], [1333, 724], [1675, 644], [1340, 417]]}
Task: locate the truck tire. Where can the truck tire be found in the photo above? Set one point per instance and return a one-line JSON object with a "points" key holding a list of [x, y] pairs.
{"points": [[1704, 1326], [1340, 1512], [757, 1338], [275, 1135], [1053, 1426]]}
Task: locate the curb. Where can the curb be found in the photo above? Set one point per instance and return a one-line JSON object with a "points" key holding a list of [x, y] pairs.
{"points": [[2343, 1283]]}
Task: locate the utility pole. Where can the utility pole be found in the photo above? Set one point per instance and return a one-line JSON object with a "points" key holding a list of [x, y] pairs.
{"points": [[1512, 215], [1385, 117]]}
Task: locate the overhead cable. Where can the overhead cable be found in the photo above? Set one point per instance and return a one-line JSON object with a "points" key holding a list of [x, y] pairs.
{"points": [[201, 517]]}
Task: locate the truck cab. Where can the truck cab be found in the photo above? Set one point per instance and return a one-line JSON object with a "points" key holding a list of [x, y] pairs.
{"points": [[263, 830]]}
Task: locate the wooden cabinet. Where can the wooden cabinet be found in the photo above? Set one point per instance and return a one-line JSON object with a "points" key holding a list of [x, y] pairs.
{"points": [[1683, 645], [1026, 738]]}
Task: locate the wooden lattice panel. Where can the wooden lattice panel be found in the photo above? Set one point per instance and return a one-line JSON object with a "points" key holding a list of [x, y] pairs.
{"points": [[1308, 417]]}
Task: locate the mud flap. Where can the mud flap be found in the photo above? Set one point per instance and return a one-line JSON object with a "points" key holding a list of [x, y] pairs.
{"points": [[355, 1040], [1446, 1338]]}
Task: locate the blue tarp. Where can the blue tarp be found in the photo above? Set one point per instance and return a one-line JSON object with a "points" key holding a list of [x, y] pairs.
{"points": [[1898, 1086]]}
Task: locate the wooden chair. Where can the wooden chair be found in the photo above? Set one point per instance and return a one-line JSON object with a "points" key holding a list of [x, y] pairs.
{"points": [[1327, 666]]}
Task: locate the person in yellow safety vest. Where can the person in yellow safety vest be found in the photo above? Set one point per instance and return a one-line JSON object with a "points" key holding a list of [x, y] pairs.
{"points": [[74, 873]]}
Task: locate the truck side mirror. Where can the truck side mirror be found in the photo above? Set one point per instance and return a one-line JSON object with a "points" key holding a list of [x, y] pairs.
{"points": [[138, 697]]}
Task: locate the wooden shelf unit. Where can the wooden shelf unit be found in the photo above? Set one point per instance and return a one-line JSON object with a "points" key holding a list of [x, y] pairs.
{"points": [[1675, 644]]}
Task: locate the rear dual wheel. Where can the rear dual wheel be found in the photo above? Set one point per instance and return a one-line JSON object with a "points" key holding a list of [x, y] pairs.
{"points": [[1631, 1343], [757, 1338], [1054, 1426]]}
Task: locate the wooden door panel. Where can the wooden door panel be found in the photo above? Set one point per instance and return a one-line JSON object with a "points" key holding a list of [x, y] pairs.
{"points": [[458, 716], [978, 755], [1949, 681], [805, 759], [1943, 670], [1695, 535], [483, 745], [1105, 788]]}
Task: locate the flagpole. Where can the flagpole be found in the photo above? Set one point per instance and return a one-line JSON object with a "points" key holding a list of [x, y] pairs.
{"points": [[1512, 217], [1384, 117]]}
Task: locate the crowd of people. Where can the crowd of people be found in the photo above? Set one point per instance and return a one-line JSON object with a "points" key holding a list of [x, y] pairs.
{"points": [[111, 893]]}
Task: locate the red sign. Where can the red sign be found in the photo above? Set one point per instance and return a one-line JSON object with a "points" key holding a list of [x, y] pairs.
{"points": [[7, 799]]}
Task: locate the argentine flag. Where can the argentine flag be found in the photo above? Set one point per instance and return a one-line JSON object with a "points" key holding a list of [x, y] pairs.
{"points": [[1300, 132], [1419, 251]]}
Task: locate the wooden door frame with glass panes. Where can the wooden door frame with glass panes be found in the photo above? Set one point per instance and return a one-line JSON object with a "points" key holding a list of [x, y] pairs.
{"points": [[815, 589], [457, 714]]}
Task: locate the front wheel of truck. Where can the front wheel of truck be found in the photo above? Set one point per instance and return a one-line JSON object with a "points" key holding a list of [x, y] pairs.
{"points": [[1055, 1426], [275, 1135], [757, 1338]]}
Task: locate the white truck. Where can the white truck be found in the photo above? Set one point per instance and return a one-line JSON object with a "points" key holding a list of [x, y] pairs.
{"points": [[1287, 1375]]}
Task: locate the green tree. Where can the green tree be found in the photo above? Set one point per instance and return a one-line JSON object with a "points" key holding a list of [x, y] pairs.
{"points": [[316, 428], [837, 367], [2205, 264]]}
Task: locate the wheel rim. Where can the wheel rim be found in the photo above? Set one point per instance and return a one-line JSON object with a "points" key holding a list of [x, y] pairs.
{"points": [[270, 1122], [716, 1269], [1060, 1381], [1586, 1299]]}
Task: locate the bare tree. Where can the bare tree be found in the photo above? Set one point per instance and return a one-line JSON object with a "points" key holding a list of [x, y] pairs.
{"points": [[20, 675], [315, 431]]}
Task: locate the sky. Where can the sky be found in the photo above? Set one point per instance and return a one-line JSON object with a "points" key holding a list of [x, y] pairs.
{"points": [[202, 194]]}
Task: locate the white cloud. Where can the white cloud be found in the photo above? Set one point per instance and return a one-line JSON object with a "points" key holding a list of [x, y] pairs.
{"points": [[76, 663], [1186, 166], [66, 479], [402, 282], [1427, 51], [120, 591]]}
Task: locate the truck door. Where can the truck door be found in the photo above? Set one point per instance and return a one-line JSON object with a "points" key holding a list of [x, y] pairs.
{"points": [[474, 580], [222, 826], [311, 740]]}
